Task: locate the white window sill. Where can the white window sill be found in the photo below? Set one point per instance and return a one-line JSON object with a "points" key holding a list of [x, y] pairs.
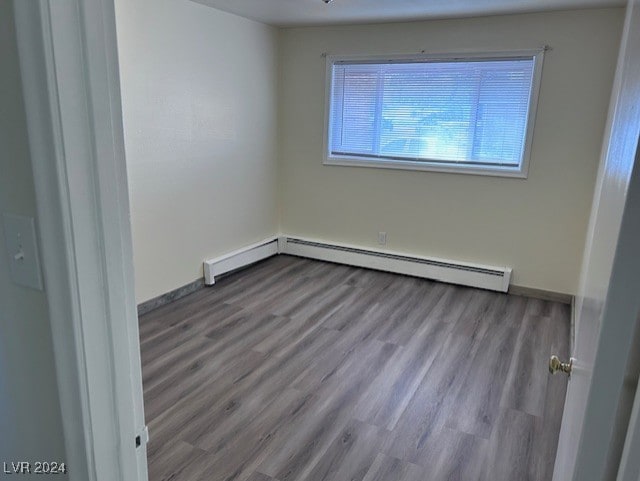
{"points": [[494, 171]]}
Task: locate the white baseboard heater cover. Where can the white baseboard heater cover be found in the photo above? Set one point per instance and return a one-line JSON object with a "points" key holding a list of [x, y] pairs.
{"points": [[239, 258], [474, 275]]}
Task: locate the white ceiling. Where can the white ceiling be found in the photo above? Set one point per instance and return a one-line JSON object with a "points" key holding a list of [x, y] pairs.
{"points": [[316, 12]]}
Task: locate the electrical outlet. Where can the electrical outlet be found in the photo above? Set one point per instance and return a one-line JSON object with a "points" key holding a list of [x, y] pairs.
{"points": [[382, 238]]}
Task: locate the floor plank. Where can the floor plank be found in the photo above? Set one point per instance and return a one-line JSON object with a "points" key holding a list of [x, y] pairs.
{"points": [[301, 370]]}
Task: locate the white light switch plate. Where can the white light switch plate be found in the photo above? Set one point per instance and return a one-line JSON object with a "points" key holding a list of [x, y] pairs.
{"points": [[22, 250]]}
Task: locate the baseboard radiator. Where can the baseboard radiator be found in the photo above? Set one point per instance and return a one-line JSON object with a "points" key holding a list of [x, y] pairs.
{"points": [[474, 275], [462, 273], [240, 258]]}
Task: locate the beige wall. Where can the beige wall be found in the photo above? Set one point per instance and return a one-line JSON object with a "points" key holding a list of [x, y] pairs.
{"points": [[537, 226], [199, 90], [30, 417]]}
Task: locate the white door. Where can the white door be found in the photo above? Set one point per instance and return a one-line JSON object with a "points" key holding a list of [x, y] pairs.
{"points": [[609, 295]]}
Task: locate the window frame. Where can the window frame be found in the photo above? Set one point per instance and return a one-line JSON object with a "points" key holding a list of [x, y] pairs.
{"points": [[437, 166]]}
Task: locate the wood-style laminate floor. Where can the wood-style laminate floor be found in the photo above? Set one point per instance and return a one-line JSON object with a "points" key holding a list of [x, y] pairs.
{"points": [[301, 370]]}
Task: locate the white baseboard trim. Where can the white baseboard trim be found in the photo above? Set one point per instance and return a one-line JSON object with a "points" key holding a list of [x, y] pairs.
{"points": [[473, 275], [239, 258]]}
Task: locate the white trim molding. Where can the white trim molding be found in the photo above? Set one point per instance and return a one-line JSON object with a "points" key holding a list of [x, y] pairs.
{"points": [[68, 61]]}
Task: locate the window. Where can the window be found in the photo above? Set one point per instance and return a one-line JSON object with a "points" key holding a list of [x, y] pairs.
{"points": [[473, 114]]}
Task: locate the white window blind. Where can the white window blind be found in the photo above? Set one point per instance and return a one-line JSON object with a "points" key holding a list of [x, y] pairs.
{"points": [[470, 112]]}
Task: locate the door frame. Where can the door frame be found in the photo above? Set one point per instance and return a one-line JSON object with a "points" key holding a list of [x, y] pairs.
{"points": [[69, 65]]}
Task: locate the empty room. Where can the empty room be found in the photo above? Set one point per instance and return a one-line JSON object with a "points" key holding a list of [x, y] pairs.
{"points": [[305, 240]]}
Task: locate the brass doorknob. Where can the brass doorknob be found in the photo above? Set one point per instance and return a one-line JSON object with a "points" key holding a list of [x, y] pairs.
{"points": [[555, 365]]}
